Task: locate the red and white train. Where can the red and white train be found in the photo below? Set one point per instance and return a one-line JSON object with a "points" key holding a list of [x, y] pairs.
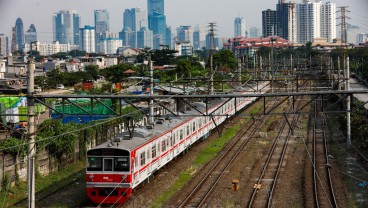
{"points": [[116, 167]]}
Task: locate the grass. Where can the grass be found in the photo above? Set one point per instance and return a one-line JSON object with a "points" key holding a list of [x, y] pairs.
{"points": [[206, 155], [44, 185]]}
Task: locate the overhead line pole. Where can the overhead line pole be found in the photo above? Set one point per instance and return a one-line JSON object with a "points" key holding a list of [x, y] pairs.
{"points": [[212, 44]]}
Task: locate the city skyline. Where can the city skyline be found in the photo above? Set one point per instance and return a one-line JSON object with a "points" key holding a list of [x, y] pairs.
{"points": [[176, 13]]}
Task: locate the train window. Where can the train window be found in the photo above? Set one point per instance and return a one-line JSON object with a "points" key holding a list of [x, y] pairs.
{"points": [[188, 130], [171, 141], [121, 164], [163, 146], [181, 134], [143, 158], [94, 164], [194, 126], [107, 164], [154, 152]]}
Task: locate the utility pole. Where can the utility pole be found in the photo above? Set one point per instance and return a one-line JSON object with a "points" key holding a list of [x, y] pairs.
{"points": [[212, 47], [343, 10], [31, 135], [272, 69], [348, 103], [151, 114]]}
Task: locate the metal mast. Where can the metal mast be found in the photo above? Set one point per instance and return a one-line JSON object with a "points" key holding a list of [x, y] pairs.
{"points": [[212, 47], [344, 35]]}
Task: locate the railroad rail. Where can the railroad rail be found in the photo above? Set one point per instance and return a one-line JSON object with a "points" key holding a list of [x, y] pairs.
{"points": [[266, 171], [322, 179], [198, 196]]}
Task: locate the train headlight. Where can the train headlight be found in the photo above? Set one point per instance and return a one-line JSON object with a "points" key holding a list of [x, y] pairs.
{"points": [[91, 176]]}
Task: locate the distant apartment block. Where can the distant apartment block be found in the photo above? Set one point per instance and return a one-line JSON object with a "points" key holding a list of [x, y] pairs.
{"points": [[254, 32], [110, 45], [269, 23], [46, 49], [184, 48], [3, 45], [87, 39], [287, 20]]}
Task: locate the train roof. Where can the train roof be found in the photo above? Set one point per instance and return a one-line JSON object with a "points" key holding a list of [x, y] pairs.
{"points": [[143, 134]]}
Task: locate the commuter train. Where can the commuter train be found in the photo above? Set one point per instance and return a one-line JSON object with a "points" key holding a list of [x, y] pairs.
{"points": [[116, 167]]}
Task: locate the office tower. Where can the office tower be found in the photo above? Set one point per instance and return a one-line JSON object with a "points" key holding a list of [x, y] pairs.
{"points": [[215, 42], [3, 45], [239, 27], [199, 37], [135, 19], [66, 26], [110, 45], [31, 34], [157, 21], [144, 38], [254, 32], [287, 20], [353, 31], [156, 6], [184, 34], [328, 21], [269, 23], [309, 24], [361, 38], [19, 31], [169, 37], [102, 25], [87, 39], [14, 40]]}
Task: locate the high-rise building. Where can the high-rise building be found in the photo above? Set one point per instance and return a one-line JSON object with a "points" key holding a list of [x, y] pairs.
{"points": [[14, 40], [31, 34], [254, 32], [157, 21], [169, 37], [110, 45], [87, 39], [102, 25], [184, 34], [19, 33], [352, 32], [362, 38], [328, 24], [309, 24], [215, 42], [287, 20], [269, 23], [3, 45], [199, 38], [144, 38], [135, 19], [66, 26], [155, 6], [239, 27]]}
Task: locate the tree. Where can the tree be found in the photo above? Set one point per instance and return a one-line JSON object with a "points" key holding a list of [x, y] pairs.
{"points": [[115, 74], [93, 71], [131, 116], [225, 59], [164, 57]]}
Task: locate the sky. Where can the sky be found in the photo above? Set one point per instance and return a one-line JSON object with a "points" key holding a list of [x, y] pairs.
{"points": [[178, 12]]}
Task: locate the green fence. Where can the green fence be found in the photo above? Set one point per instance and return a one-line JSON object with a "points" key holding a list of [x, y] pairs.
{"points": [[94, 108]]}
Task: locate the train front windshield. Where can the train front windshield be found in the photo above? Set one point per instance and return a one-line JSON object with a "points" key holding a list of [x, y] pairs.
{"points": [[108, 160]]}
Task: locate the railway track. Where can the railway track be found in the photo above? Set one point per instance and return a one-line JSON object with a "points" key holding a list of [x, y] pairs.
{"points": [[199, 194], [323, 190], [262, 196]]}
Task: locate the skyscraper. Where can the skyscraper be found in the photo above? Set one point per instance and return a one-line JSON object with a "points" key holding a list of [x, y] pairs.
{"points": [[19, 32], [199, 38], [169, 37], [309, 24], [157, 21], [135, 19], [328, 24], [3, 45], [185, 34], [155, 6], [31, 34], [269, 23], [287, 20], [87, 39], [239, 27], [66, 26], [254, 32], [144, 38], [102, 25]]}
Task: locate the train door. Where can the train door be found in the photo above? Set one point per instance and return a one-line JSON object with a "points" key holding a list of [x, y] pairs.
{"points": [[107, 164]]}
